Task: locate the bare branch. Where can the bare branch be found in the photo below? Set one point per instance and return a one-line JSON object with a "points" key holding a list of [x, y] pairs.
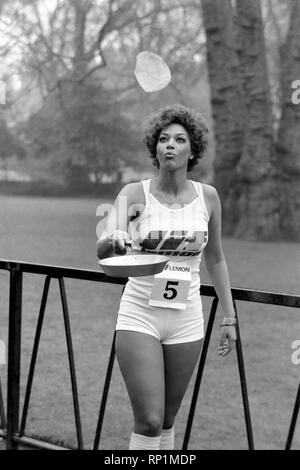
{"points": [[274, 20], [42, 35], [92, 70]]}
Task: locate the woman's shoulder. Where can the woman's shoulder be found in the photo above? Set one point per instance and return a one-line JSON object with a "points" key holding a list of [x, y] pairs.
{"points": [[134, 192], [209, 191], [211, 197]]}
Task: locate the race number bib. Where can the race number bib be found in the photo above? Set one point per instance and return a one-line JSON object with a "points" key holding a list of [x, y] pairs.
{"points": [[171, 286]]}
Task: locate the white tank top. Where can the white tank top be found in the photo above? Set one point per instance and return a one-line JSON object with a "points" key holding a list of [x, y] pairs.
{"points": [[181, 233]]}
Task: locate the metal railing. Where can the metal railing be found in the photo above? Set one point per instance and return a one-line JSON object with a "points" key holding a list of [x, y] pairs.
{"points": [[13, 429]]}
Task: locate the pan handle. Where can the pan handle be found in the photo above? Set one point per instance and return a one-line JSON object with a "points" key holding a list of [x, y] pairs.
{"points": [[127, 242]]}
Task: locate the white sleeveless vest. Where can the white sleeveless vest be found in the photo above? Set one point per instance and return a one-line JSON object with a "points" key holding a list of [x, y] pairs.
{"points": [[181, 233]]}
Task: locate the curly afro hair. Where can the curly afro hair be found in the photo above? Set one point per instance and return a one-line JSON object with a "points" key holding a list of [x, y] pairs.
{"points": [[189, 118]]}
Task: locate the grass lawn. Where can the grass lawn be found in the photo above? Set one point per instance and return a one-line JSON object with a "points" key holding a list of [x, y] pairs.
{"points": [[62, 232]]}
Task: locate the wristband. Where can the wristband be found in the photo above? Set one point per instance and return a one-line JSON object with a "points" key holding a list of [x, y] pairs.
{"points": [[228, 321]]}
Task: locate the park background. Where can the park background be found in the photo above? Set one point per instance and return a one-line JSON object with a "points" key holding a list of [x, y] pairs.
{"points": [[71, 137]]}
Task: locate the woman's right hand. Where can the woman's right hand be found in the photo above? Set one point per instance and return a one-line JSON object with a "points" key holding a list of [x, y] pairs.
{"points": [[117, 239]]}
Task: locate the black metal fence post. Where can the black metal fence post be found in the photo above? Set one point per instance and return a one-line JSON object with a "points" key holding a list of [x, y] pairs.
{"points": [[105, 393], [34, 354], [242, 373], [71, 362], [14, 355], [293, 421], [2, 410], [200, 373]]}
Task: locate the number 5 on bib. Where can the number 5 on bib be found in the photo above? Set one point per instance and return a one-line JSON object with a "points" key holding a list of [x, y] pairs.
{"points": [[171, 287]]}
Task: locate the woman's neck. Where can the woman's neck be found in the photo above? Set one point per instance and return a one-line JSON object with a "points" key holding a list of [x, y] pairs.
{"points": [[172, 183]]}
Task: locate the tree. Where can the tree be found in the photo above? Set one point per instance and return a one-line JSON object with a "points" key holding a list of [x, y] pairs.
{"points": [[10, 146], [288, 142], [264, 203], [85, 137], [258, 201], [226, 101], [81, 56], [9, 143]]}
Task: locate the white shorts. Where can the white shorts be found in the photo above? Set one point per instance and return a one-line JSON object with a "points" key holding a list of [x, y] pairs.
{"points": [[168, 325]]}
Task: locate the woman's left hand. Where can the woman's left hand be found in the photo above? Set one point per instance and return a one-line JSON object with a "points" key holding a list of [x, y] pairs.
{"points": [[228, 337]]}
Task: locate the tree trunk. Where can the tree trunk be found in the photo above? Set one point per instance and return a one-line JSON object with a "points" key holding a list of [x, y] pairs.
{"points": [[288, 141], [258, 203], [226, 100], [80, 62]]}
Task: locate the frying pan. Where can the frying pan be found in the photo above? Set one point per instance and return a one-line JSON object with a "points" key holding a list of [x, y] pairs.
{"points": [[133, 265]]}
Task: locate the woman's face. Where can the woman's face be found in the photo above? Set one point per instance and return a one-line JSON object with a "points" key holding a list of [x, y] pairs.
{"points": [[173, 149]]}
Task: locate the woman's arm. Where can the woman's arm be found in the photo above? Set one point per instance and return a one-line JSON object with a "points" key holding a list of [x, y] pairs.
{"points": [[217, 266], [115, 233]]}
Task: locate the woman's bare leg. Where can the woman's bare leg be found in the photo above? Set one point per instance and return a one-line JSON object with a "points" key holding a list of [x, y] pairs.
{"points": [[140, 358]]}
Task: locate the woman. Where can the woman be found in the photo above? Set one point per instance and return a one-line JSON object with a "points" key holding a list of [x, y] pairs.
{"points": [[160, 321]]}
